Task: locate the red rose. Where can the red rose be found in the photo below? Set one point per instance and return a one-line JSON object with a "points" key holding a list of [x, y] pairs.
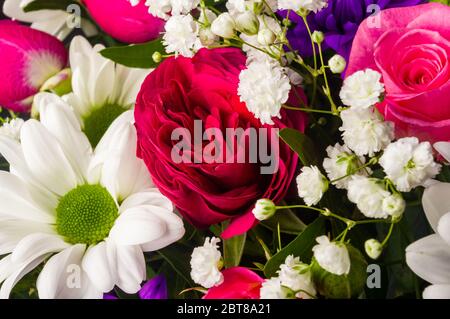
{"points": [[204, 88]]}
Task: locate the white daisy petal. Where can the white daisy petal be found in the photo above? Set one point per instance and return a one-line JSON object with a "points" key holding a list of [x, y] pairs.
{"points": [[35, 245], [148, 197], [130, 268], [96, 264], [444, 228], [436, 202], [437, 292], [444, 149], [429, 258]]}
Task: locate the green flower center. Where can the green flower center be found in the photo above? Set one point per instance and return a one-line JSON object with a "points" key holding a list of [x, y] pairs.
{"points": [[86, 214], [96, 123]]}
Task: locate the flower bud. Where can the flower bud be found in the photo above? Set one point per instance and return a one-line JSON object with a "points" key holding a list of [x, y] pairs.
{"points": [[394, 205], [318, 37], [264, 209], [207, 38], [373, 248], [266, 37], [223, 26], [247, 23], [337, 64], [157, 57], [60, 83]]}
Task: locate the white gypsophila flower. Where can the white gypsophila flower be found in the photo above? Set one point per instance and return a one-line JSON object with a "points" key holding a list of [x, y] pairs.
{"points": [[311, 185], [164, 9], [264, 87], [373, 248], [297, 276], [67, 206], [368, 194], [207, 37], [409, 163], [365, 132], [429, 257], [183, 6], [12, 128], [362, 89], [332, 256], [340, 162], [224, 26], [182, 36], [54, 22], [235, 7], [337, 64], [296, 5], [272, 289], [101, 89], [206, 262], [394, 205], [264, 209]]}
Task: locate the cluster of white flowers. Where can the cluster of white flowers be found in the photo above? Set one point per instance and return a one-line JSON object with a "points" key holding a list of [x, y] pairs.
{"points": [[293, 281], [311, 185], [331, 256], [206, 262], [12, 128], [297, 5], [182, 35]]}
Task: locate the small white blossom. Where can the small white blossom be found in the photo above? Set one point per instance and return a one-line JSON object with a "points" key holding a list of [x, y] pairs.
{"points": [[311, 185], [368, 194], [331, 256], [247, 22], [235, 7], [409, 163], [362, 89], [394, 205], [272, 289], [365, 131], [340, 162], [182, 36], [337, 64], [297, 276], [269, 28], [12, 128], [373, 248], [224, 26], [206, 262], [264, 87], [296, 5], [264, 209], [166, 8]]}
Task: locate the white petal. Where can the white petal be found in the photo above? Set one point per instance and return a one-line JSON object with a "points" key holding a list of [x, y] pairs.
{"points": [[150, 197], [35, 245], [46, 159], [444, 228], [6, 268], [63, 278], [444, 149], [437, 292], [137, 226], [429, 258], [97, 266], [130, 263], [436, 202], [16, 201]]}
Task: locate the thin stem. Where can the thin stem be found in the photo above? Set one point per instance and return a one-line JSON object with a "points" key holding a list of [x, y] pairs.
{"points": [[327, 86], [352, 173], [304, 109], [388, 235]]}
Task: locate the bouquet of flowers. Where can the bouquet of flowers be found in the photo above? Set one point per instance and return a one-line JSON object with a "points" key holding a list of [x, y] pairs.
{"points": [[225, 149]]}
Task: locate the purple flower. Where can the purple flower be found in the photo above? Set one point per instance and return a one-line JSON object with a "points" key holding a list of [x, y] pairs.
{"points": [[339, 22], [155, 288]]}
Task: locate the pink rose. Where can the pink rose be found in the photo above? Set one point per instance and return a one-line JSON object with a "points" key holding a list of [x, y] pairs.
{"points": [[238, 283], [411, 49], [28, 59], [124, 22], [204, 88]]}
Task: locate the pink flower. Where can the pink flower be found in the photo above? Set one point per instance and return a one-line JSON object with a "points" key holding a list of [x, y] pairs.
{"points": [[204, 88], [124, 22], [411, 49], [28, 58], [238, 283]]}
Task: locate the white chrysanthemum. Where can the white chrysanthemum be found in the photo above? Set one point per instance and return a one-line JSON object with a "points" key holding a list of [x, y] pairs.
{"points": [[164, 9], [264, 87], [297, 276], [296, 5], [368, 194], [53, 22], [181, 36], [340, 162], [362, 89], [311, 185], [409, 163], [101, 89], [331, 256], [12, 128], [272, 289], [365, 131], [206, 262], [89, 215]]}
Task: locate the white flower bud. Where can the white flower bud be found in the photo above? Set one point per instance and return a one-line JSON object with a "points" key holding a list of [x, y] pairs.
{"points": [[247, 23], [337, 64], [373, 248], [264, 209], [224, 26], [266, 37], [207, 37], [318, 37], [394, 205]]}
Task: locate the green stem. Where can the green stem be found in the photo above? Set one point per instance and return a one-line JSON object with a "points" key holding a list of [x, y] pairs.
{"points": [[309, 110], [325, 77], [391, 228]]}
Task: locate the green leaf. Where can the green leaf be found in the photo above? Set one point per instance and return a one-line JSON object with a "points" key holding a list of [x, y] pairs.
{"points": [[300, 144], [178, 257], [233, 249], [299, 247], [135, 56], [288, 221]]}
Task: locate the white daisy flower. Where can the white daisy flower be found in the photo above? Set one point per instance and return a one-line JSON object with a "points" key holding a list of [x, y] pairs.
{"points": [[53, 22], [102, 90], [88, 214]]}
